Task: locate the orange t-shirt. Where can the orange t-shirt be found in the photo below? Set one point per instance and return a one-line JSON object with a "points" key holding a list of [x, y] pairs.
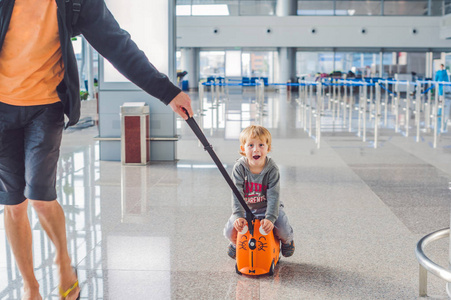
{"points": [[31, 64]]}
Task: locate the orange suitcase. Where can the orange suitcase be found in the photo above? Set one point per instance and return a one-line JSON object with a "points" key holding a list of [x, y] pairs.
{"points": [[257, 253]]}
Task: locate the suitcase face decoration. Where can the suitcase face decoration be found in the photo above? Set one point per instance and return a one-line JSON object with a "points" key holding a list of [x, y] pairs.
{"points": [[256, 254]]}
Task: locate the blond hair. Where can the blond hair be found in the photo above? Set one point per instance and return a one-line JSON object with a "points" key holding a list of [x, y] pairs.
{"points": [[255, 132]]}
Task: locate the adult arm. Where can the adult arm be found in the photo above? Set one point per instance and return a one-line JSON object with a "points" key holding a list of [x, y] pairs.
{"points": [[103, 32]]}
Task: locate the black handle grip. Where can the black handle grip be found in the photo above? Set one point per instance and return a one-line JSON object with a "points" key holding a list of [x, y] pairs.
{"points": [[186, 112]]}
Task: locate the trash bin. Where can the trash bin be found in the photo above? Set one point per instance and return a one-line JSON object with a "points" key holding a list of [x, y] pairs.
{"points": [[135, 149], [185, 85]]}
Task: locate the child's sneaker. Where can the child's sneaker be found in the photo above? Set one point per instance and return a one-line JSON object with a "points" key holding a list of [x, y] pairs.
{"points": [[231, 251], [287, 249]]}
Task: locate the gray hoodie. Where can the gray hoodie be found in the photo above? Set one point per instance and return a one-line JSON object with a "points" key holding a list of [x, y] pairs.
{"points": [[259, 191]]}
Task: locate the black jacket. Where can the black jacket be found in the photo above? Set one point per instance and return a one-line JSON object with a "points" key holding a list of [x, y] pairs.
{"points": [[102, 31]]}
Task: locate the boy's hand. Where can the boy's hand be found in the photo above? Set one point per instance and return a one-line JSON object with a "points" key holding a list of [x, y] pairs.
{"points": [[239, 224], [267, 225]]}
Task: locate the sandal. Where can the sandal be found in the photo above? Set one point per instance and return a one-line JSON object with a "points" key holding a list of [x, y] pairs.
{"points": [[64, 294]]}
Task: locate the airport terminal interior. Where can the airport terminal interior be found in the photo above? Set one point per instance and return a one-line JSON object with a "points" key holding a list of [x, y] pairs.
{"points": [[360, 125]]}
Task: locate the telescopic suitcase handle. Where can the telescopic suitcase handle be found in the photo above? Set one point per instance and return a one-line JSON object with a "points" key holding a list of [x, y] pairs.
{"points": [[200, 135]]}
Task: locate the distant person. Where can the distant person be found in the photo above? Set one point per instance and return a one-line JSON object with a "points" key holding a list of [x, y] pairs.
{"points": [[441, 75], [39, 85], [180, 75], [257, 177]]}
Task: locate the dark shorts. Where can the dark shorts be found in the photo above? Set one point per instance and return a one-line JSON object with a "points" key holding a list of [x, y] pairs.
{"points": [[30, 139]]}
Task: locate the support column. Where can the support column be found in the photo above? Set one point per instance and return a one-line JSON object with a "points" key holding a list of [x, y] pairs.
{"points": [[381, 64], [287, 64], [190, 63], [286, 8], [287, 56], [429, 64]]}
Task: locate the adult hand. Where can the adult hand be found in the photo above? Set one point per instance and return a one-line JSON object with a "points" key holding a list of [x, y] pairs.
{"points": [[267, 225], [239, 224], [180, 101]]}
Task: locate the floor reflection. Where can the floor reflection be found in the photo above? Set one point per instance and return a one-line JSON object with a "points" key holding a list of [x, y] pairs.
{"points": [[155, 232]]}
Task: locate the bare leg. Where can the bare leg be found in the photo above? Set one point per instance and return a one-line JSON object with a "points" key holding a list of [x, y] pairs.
{"points": [[51, 217], [18, 232]]}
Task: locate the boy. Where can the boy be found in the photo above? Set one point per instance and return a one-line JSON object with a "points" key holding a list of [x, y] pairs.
{"points": [[257, 178]]}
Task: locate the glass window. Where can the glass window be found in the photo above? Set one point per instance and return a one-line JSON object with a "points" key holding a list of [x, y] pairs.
{"points": [[233, 64], [306, 64], [226, 7], [183, 8], [389, 62], [447, 6], [178, 60], [258, 64], [344, 61], [211, 63], [438, 7], [257, 7], [316, 8], [358, 8], [406, 8], [311, 63], [366, 64]]}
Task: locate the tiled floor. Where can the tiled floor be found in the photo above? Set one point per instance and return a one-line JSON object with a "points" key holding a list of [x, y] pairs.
{"points": [[155, 232]]}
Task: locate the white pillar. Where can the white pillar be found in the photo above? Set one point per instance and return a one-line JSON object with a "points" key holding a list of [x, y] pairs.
{"points": [[429, 64], [287, 64], [287, 56], [286, 8], [190, 62], [381, 64]]}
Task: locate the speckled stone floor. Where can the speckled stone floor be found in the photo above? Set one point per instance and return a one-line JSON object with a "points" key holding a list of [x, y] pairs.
{"points": [[155, 232]]}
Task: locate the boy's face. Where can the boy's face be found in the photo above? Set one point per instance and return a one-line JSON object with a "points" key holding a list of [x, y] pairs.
{"points": [[256, 151]]}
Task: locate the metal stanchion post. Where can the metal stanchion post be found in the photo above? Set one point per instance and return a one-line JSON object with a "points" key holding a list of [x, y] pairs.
{"points": [[370, 101], [427, 111], [332, 86], [397, 96], [212, 88], [359, 130], [300, 101], [319, 101], [311, 110], [365, 91], [441, 109], [407, 108], [201, 98], [351, 106], [386, 103], [417, 109], [377, 113], [435, 110], [257, 96], [338, 100], [227, 90], [308, 91], [218, 90], [345, 103]]}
